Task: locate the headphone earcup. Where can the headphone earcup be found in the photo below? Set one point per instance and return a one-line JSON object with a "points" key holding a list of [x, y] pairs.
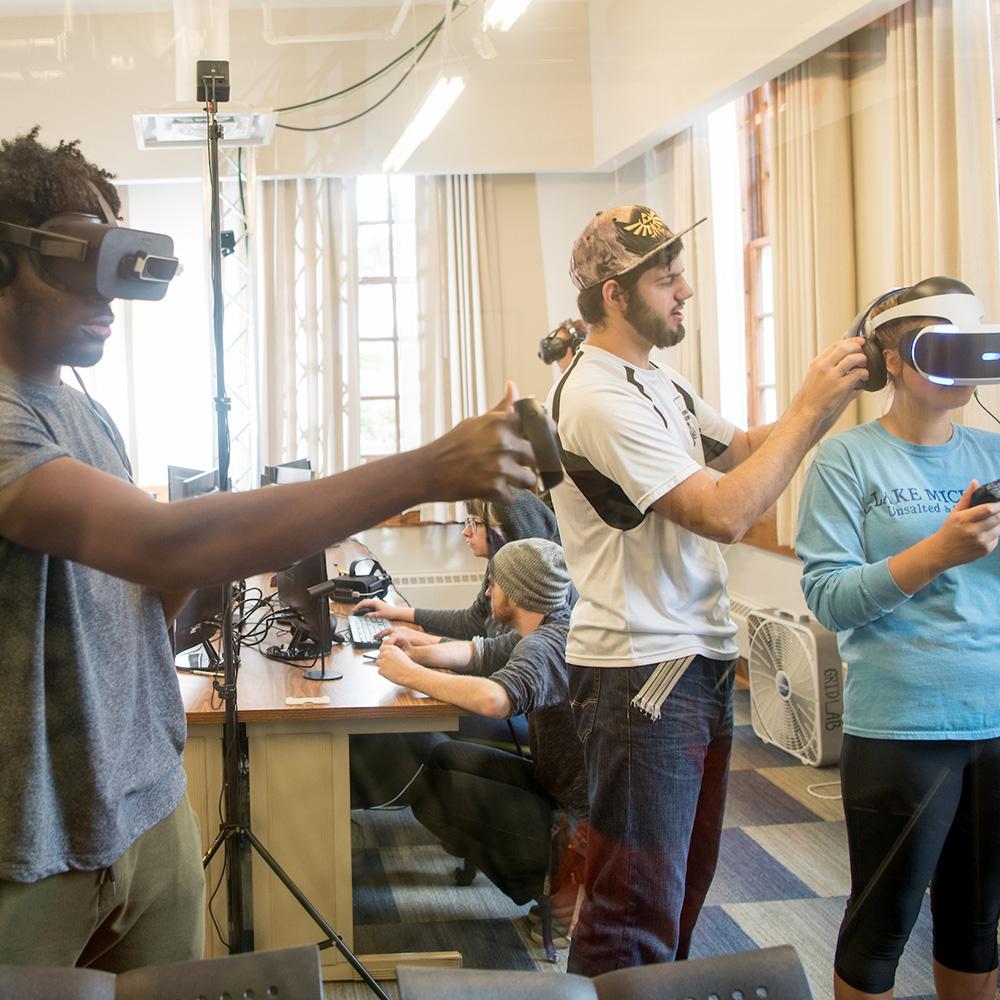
{"points": [[874, 358], [8, 267], [875, 363]]}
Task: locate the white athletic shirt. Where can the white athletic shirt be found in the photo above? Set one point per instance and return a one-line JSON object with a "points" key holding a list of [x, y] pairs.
{"points": [[650, 590]]}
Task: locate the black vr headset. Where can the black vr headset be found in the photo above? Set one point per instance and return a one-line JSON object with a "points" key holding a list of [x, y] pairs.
{"points": [[82, 253], [961, 350], [553, 347]]}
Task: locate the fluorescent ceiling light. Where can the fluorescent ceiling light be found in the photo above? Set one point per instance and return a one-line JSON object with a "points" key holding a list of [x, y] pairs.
{"points": [[501, 14], [187, 126], [436, 104]]}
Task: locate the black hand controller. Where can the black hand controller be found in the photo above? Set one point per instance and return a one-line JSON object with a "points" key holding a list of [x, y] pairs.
{"points": [[537, 428], [988, 493]]}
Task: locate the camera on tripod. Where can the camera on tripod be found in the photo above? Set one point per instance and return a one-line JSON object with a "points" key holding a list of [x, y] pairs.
{"points": [[213, 81]]}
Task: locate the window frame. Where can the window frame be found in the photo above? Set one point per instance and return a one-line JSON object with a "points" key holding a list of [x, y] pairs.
{"points": [[754, 144], [391, 279]]}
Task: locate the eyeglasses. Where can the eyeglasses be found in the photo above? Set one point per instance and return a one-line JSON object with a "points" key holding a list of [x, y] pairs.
{"points": [[473, 523]]}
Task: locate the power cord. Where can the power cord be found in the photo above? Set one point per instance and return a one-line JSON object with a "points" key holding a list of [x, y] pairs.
{"points": [[353, 118], [824, 784], [421, 46], [984, 407]]}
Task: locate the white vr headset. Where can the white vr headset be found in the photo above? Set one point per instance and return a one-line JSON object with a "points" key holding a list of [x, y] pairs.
{"points": [[961, 350]]}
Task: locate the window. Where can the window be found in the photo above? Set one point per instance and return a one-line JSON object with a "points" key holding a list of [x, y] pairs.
{"points": [[727, 243], [156, 378], [754, 133], [388, 357]]}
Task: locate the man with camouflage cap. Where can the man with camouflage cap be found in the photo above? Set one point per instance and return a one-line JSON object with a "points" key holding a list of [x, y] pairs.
{"points": [[651, 644]]}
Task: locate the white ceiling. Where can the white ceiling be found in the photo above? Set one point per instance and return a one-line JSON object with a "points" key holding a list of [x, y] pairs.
{"points": [[36, 8]]}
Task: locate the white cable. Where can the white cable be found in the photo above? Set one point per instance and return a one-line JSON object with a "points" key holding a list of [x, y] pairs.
{"points": [[824, 784], [385, 805]]}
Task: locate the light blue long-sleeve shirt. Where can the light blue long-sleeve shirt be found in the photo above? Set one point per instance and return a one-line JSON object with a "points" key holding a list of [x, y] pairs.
{"points": [[920, 667]]}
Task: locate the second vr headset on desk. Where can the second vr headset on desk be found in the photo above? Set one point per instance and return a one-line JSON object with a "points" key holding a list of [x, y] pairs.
{"points": [[352, 586]]}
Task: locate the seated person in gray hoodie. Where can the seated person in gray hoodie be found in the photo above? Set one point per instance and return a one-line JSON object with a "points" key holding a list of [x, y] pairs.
{"points": [[381, 765], [488, 527], [491, 807]]}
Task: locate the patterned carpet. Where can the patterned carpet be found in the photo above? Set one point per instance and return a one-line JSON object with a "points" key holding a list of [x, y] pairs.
{"points": [[782, 878]]}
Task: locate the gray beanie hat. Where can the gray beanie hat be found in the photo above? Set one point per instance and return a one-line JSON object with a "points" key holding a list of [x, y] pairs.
{"points": [[526, 517], [532, 573]]}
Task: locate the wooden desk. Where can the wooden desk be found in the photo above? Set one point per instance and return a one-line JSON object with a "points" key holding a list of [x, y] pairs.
{"points": [[300, 802]]}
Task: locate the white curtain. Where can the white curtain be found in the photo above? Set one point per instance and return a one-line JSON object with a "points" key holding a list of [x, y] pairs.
{"points": [[307, 312], [909, 100], [925, 153], [457, 288], [678, 182], [812, 231]]}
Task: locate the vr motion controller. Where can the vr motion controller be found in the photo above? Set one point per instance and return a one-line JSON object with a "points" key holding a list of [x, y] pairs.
{"points": [[958, 350], [538, 429], [987, 493]]}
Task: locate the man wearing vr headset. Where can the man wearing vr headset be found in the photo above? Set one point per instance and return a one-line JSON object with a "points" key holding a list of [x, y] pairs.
{"points": [[651, 643], [901, 561], [560, 346], [99, 850]]}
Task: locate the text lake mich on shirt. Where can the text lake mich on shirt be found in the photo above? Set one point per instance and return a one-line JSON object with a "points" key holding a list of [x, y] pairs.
{"points": [[900, 501]]}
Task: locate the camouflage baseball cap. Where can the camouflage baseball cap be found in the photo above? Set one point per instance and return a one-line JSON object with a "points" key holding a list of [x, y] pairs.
{"points": [[617, 240]]}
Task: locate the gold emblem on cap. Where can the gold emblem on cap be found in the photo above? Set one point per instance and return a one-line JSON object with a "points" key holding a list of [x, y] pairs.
{"points": [[649, 224]]}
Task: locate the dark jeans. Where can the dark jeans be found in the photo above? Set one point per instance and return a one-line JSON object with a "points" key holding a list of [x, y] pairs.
{"points": [[657, 796], [383, 763], [485, 805], [919, 812]]}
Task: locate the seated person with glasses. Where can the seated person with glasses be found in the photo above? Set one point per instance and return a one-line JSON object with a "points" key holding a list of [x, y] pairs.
{"points": [[381, 765]]}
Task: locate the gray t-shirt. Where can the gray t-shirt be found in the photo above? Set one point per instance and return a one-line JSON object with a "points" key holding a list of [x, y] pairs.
{"points": [[536, 680], [91, 720]]}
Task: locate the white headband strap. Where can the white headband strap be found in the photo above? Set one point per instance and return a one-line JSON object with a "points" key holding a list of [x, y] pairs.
{"points": [[958, 308]]}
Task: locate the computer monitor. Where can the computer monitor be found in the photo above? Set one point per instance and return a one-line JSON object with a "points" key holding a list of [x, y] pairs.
{"points": [[312, 630], [298, 471], [195, 627], [183, 483], [176, 474]]}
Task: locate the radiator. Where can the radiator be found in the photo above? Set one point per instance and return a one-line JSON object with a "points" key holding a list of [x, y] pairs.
{"points": [[438, 590]]}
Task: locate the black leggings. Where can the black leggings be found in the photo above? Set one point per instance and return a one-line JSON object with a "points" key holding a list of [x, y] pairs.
{"points": [[919, 812]]}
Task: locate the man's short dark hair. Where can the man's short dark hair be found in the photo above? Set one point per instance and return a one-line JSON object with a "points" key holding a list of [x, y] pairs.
{"points": [[590, 301], [38, 182]]}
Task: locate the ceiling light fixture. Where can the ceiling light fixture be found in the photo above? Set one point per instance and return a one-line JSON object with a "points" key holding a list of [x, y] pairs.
{"points": [[501, 14], [441, 97], [187, 126]]}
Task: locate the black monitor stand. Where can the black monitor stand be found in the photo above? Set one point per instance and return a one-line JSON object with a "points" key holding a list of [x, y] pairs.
{"points": [[303, 646], [201, 659]]}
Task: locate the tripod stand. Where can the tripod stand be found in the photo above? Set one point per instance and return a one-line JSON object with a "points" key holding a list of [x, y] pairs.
{"points": [[235, 833]]}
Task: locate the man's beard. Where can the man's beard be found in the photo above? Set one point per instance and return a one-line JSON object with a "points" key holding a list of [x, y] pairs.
{"points": [[652, 327]]}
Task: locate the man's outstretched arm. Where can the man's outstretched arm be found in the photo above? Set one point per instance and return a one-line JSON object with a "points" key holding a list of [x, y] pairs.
{"points": [[68, 509]]}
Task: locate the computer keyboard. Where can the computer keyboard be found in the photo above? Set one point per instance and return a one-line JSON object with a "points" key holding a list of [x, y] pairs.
{"points": [[363, 631]]}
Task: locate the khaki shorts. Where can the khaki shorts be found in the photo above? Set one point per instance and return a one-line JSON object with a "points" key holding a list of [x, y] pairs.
{"points": [[147, 908]]}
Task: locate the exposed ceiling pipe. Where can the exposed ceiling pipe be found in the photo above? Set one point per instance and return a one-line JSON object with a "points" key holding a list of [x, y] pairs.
{"points": [[373, 35]]}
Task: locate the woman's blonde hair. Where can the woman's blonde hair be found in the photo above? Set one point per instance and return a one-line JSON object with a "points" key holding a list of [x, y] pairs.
{"points": [[888, 336]]}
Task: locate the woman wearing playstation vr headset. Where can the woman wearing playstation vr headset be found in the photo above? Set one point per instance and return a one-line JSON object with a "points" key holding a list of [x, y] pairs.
{"points": [[900, 560]]}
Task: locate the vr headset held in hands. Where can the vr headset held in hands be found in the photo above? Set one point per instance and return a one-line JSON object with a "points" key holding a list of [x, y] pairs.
{"points": [[957, 348]]}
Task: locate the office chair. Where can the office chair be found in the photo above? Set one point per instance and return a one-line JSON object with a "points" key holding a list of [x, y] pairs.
{"points": [[283, 974], [767, 974]]}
